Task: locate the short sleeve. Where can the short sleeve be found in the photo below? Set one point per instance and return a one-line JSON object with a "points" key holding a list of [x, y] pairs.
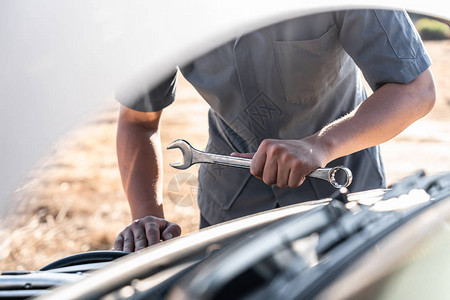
{"points": [[384, 44], [150, 100]]}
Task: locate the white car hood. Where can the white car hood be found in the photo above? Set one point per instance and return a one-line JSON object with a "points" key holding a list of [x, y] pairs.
{"points": [[61, 59]]}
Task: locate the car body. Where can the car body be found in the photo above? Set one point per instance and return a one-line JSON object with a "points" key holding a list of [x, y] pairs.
{"points": [[347, 246]]}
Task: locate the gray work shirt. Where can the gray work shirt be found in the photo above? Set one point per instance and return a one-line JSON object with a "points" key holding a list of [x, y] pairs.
{"points": [[287, 81]]}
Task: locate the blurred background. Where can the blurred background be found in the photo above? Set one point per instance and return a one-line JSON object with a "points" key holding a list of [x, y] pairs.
{"points": [[73, 201]]}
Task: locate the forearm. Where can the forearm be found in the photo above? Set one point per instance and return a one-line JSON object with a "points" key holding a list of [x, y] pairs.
{"points": [[140, 165], [382, 116]]}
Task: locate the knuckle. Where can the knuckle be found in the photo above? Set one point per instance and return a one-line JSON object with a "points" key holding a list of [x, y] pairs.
{"points": [[285, 158], [153, 242], [281, 185], [276, 150], [140, 237], [148, 219], [271, 150], [265, 143], [293, 184], [128, 240], [140, 244], [297, 164], [136, 224], [268, 180], [281, 182], [152, 227]]}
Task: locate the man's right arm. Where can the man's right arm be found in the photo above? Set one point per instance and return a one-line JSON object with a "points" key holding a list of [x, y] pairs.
{"points": [[140, 164]]}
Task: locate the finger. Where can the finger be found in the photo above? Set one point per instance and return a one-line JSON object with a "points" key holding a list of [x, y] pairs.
{"points": [[172, 230], [257, 164], [128, 240], [270, 172], [244, 155], [118, 243], [140, 236], [152, 230], [283, 177], [296, 178]]}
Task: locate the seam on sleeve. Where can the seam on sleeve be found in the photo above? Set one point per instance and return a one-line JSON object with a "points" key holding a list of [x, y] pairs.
{"points": [[411, 71], [413, 55]]}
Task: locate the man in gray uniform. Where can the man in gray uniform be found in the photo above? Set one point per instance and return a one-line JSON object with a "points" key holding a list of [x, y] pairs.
{"points": [[289, 96]]}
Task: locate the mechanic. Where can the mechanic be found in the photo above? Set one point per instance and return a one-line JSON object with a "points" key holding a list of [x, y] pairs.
{"points": [[290, 96]]}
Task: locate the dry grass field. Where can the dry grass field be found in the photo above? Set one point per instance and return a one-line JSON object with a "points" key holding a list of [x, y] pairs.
{"points": [[74, 202]]}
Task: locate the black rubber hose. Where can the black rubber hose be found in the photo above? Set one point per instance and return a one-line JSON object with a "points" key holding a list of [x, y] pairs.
{"points": [[84, 258]]}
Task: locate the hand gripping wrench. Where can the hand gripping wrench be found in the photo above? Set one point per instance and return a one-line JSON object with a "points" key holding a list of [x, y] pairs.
{"points": [[193, 156]]}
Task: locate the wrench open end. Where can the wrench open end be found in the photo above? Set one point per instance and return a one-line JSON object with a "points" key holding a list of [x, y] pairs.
{"points": [[178, 165], [186, 151]]}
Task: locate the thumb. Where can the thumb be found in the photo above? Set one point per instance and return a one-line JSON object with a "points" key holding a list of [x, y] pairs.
{"points": [[244, 155]]}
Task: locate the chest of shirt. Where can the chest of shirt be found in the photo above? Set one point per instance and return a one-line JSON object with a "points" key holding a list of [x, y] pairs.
{"points": [[277, 79]]}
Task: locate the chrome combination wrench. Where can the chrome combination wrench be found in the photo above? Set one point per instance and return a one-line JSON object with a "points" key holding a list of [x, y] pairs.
{"points": [[193, 156]]}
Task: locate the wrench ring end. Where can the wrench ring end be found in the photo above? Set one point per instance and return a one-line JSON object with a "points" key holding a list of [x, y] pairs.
{"points": [[348, 177]]}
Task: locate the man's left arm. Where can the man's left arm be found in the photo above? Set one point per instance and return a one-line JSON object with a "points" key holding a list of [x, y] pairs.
{"points": [[382, 116]]}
